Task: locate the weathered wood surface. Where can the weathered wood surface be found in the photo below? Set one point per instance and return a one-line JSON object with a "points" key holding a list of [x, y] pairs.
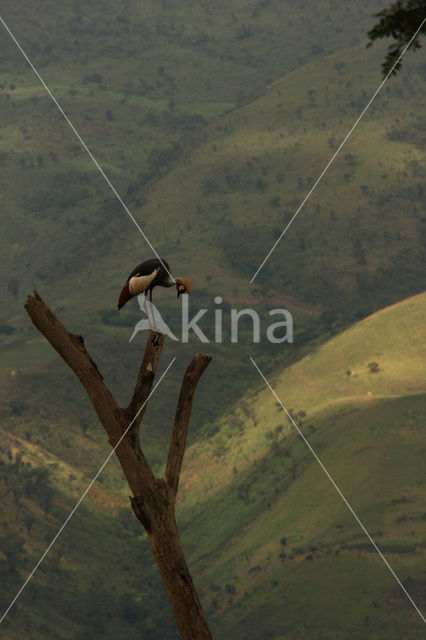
{"points": [[154, 499]]}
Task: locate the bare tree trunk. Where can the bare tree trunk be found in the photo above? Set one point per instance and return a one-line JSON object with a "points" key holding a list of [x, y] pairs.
{"points": [[153, 500], [177, 580]]}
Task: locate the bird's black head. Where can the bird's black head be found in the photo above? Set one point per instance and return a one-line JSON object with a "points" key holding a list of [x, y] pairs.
{"points": [[183, 285]]}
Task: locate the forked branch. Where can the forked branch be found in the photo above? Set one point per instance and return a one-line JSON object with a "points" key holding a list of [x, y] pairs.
{"points": [[181, 424], [153, 500]]}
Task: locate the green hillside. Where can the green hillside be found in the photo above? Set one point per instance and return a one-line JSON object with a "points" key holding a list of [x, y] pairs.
{"points": [[214, 212], [204, 171], [334, 375], [358, 243], [93, 582], [282, 555], [213, 120], [274, 551], [140, 85]]}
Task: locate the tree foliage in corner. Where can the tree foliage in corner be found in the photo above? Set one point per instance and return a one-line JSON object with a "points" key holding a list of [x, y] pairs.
{"points": [[399, 21]]}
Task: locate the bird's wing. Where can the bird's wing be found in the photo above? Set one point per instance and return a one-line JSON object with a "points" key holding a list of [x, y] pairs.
{"points": [[147, 267]]}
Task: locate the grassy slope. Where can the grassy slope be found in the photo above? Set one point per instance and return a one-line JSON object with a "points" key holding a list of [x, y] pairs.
{"points": [[273, 549], [189, 51], [350, 250], [157, 66], [63, 228], [72, 592], [254, 483], [257, 162]]}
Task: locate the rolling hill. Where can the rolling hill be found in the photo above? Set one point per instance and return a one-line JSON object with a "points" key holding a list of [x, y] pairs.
{"points": [[282, 555], [213, 122], [273, 549], [216, 211]]}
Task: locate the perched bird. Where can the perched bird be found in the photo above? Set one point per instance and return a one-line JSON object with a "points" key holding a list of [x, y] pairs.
{"points": [[150, 274]]}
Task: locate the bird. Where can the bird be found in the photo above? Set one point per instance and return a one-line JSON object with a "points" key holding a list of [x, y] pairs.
{"points": [[150, 274]]}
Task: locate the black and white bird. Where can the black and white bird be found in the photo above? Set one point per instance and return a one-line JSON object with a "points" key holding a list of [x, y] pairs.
{"points": [[150, 274]]}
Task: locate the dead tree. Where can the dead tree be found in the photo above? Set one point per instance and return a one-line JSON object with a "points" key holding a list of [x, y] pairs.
{"points": [[154, 499]]}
